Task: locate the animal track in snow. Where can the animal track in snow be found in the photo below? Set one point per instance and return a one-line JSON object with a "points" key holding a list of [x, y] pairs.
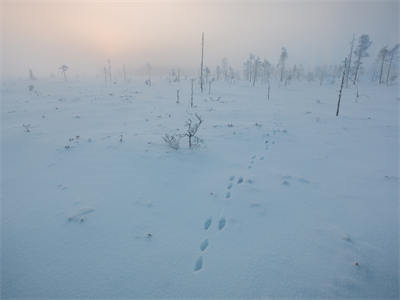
{"points": [[199, 264], [221, 223], [240, 180], [80, 216], [204, 245], [288, 179], [62, 187], [228, 195], [207, 223]]}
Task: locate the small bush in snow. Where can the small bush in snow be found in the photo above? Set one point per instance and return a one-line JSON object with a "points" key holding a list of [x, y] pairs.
{"points": [[172, 141], [192, 128], [27, 127]]}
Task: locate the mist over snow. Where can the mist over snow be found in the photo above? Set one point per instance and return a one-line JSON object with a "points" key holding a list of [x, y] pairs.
{"points": [[83, 34], [199, 149]]}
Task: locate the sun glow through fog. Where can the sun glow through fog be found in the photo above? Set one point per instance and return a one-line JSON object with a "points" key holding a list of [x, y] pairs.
{"points": [[85, 33]]}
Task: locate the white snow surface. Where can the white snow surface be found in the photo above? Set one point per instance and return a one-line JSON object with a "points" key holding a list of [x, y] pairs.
{"points": [[281, 200]]}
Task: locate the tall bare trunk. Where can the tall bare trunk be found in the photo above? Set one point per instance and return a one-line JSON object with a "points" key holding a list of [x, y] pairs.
{"points": [[349, 63], [201, 65], [381, 71], [389, 67], [341, 87]]}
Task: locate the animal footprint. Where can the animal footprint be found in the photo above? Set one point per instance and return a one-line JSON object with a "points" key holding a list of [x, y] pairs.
{"points": [[81, 215], [303, 180], [207, 223], [231, 178], [262, 158], [228, 195], [229, 186], [204, 245], [240, 180], [221, 223], [199, 264]]}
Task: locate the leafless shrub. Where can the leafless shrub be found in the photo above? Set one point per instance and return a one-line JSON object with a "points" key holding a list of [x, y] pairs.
{"points": [[172, 141]]}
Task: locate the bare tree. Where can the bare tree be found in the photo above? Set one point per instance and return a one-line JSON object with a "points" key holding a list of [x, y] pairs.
{"points": [[256, 66], [201, 64], [177, 96], [209, 85], [172, 141], [341, 86], [192, 128], [393, 52], [31, 76], [191, 92], [105, 75], [64, 69], [282, 62], [148, 81], [349, 61]]}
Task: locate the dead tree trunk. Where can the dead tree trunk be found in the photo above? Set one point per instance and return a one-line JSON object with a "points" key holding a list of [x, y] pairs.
{"points": [[341, 87], [349, 63], [382, 65], [357, 69], [269, 89], [389, 67], [177, 96], [124, 73], [201, 64], [105, 75]]}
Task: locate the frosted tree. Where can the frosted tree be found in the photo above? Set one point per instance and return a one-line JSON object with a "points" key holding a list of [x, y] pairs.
{"points": [[361, 51], [348, 69], [257, 63], [267, 70], [392, 57], [225, 68], [282, 62], [207, 73], [64, 69], [31, 76], [105, 75], [382, 59], [192, 128], [148, 80], [218, 72]]}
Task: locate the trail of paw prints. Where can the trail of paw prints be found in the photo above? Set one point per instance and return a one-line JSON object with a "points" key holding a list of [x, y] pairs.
{"points": [[272, 137], [253, 159], [198, 265], [288, 180]]}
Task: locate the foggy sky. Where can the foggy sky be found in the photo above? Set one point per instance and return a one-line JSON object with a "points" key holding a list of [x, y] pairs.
{"points": [[43, 35]]}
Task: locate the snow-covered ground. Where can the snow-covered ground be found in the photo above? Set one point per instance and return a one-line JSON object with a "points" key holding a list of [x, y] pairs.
{"points": [[282, 199]]}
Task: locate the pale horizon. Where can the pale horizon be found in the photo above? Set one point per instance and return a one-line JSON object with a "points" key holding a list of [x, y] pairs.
{"points": [[43, 35]]}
